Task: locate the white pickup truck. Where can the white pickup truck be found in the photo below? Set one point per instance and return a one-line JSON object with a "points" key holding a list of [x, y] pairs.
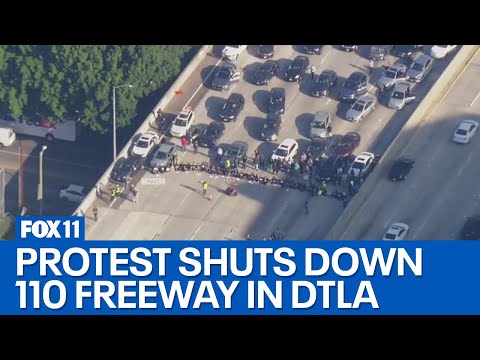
{"points": [[231, 52]]}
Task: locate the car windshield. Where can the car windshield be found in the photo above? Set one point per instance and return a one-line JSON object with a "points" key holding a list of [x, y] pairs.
{"points": [[358, 106], [417, 66], [390, 236], [358, 165], [398, 95], [391, 74], [124, 166], [350, 85], [142, 144], [231, 105], [223, 74], [232, 152], [161, 155], [281, 152], [181, 122], [461, 132], [211, 132], [295, 65], [376, 49], [323, 79], [318, 125], [277, 99], [345, 144], [271, 124]]}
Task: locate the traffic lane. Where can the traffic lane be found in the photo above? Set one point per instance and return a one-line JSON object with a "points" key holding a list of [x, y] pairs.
{"points": [[439, 194]]}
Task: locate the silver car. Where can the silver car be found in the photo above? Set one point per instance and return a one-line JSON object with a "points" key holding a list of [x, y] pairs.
{"points": [[162, 158], [420, 68], [400, 96], [393, 74], [361, 108], [320, 125]]}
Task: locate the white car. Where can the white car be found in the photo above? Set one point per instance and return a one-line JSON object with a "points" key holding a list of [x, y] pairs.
{"points": [[231, 52], [465, 131], [441, 51], [72, 193], [396, 231], [286, 150], [362, 164], [144, 144], [182, 123]]}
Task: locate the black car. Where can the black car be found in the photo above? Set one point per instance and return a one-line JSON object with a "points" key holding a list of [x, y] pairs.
{"points": [[265, 73], [379, 52], [224, 76], [266, 51], [272, 127], [471, 229], [297, 68], [316, 151], [400, 169], [124, 169], [353, 87], [235, 152], [324, 82], [349, 48], [406, 51], [313, 49], [328, 169], [347, 144], [276, 104], [232, 107], [194, 132], [211, 135]]}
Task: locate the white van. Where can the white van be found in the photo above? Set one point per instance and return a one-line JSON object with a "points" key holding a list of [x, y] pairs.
{"points": [[7, 136]]}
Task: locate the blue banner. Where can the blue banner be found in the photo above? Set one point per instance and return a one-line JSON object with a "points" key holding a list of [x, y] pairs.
{"points": [[74, 277]]}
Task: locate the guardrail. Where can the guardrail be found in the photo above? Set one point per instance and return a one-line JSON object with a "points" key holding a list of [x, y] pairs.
{"points": [[147, 123], [424, 109]]}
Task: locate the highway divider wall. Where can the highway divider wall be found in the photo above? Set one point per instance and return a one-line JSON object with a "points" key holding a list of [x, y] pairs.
{"points": [[436, 94], [147, 123]]}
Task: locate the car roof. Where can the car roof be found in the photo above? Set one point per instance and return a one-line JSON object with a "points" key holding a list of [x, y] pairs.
{"points": [[287, 143], [184, 113], [422, 59], [165, 147], [328, 72], [75, 188], [356, 76], [278, 91], [332, 159], [235, 97], [401, 86], [398, 226], [321, 116]]}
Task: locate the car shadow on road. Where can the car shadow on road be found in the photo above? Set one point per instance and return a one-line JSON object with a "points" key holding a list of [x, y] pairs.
{"points": [[299, 49], [306, 85], [342, 109], [206, 75], [254, 126], [282, 67], [364, 51], [214, 106], [200, 192], [302, 122], [266, 149], [260, 99], [303, 144], [253, 50]]}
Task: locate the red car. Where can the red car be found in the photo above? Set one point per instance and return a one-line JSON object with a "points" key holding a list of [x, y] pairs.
{"points": [[347, 145]]}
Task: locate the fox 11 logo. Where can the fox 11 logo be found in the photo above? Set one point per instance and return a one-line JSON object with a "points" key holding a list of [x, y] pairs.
{"points": [[50, 228]]}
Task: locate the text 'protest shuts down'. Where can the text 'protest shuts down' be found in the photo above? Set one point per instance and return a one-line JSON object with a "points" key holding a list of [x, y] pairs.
{"points": [[255, 278]]}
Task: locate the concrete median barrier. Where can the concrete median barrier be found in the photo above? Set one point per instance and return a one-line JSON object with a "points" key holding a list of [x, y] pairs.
{"points": [[147, 123], [423, 111]]}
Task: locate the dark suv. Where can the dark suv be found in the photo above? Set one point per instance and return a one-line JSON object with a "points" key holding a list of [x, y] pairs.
{"points": [[329, 168], [353, 87]]}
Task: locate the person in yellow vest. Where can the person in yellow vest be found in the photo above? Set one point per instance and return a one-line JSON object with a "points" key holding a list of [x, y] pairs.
{"points": [[227, 164], [204, 187]]}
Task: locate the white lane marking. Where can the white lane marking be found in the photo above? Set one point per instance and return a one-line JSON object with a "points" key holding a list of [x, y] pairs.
{"points": [[325, 57], [476, 97], [328, 101], [51, 159], [202, 83]]}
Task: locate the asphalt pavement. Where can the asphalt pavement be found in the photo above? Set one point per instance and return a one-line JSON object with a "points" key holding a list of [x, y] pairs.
{"points": [[175, 209], [441, 191]]}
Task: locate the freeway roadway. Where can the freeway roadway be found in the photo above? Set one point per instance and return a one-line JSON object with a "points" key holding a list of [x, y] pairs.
{"points": [[175, 210], [442, 190]]}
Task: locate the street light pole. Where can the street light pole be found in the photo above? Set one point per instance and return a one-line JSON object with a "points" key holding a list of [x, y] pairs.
{"points": [[115, 118], [40, 180]]}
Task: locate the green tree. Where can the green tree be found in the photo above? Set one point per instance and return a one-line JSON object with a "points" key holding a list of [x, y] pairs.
{"points": [[64, 82]]}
